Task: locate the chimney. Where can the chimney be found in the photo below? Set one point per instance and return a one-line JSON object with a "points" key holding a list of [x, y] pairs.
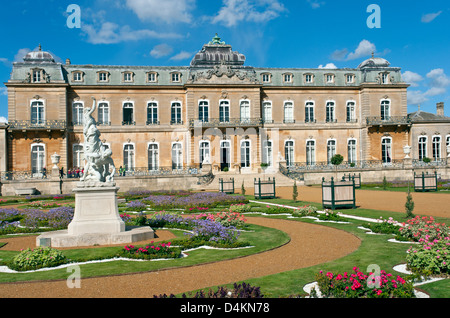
{"points": [[440, 109]]}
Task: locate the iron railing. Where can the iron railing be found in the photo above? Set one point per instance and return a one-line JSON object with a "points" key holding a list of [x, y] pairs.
{"points": [[226, 122], [37, 124], [388, 120]]}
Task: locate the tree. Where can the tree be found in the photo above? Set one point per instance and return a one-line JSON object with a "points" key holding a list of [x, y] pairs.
{"points": [[294, 191], [337, 159], [409, 205], [242, 188]]}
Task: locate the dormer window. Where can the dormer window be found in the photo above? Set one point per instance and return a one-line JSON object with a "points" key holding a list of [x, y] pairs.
{"points": [[384, 78], [175, 77], [77, 76], [103, 77], [37, 75], [152, 77], [349, 78], [329, 78], [309, 78], [128, 77], [287, 78], [266, 78]]}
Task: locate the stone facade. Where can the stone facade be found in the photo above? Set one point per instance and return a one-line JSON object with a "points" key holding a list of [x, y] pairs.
{"points": [[237, 116]]}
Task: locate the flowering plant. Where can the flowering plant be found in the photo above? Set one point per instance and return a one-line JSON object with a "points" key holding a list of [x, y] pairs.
{"points": [[307, 210], [276, 209], [330, 215], [31, 259], [431, 257], [386, 226], [421, 226], [360, 285], [240, 207], [151, 251], [136, 205]]}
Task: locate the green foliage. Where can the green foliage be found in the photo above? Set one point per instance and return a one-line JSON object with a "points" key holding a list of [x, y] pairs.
{"points": [[385, 183], [307, 210], [337, 159], [242, 188], [32, 259], [294, 191], [426, 159], [409, 205]]}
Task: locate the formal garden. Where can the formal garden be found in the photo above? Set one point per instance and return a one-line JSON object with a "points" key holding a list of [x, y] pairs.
{"points": [[410, 252]]}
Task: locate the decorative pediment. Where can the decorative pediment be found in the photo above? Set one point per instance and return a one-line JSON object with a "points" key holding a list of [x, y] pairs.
{"points": [[223, 74]]}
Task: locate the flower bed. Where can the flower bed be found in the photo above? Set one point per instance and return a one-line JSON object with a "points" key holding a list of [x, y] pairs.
{"points": [[32, 259], [307, 210], [386, 226], [360, 285], [151, 251], [417, 228], [430, 258]]}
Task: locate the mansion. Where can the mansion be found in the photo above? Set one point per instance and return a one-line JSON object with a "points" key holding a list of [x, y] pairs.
{"points": [[216, 110]]}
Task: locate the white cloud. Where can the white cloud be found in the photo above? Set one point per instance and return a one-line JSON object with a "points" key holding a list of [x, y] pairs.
{"points": [[21, 54], [161, 50], [315, 4], [328, 66], [427, 18], [168, 11], [412, 78], [235, 11], [3, 119], [365, 48], [3, 91], [437, 84], [110, 33], [183, 55]]}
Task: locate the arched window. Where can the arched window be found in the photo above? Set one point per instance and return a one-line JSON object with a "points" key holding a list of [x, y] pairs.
{"points": [[309, 112], [176, 113], [77, 113], [37, 112], [267, 153], [422, 147], [289, 152], [152, 113], [224, 111], [351, 112], [37, 159], [310, 152], [128, 113], [351, 150], [245, 154], [289, 112], [203, 111], [204, 151], [436, 148], [331, 149], [267, 112], [385, 109], [386, 150], [103, 113], [177, 156], [330, 116], [245, 110], [128, 157], [153, 157], [78, 156]]}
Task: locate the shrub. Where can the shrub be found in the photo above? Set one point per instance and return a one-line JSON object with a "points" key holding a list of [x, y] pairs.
{"points": [[419, 228], [430, 258], [337, 159], [360, 285], [387, 226], [151, 251], [307, 210], [240, 207], [273, 209], [243, 290], [330, 215], [409, 205], [32, 259], [294, 191], [230, 219]]}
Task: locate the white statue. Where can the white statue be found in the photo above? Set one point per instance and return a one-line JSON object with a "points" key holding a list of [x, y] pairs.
{"points": [[99, 165]]}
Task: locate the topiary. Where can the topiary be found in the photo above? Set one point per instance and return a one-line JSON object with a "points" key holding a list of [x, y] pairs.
{"points": [[32, 259]]}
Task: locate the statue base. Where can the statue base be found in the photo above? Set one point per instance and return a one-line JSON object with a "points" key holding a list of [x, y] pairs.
{"points": [[96, 220]]}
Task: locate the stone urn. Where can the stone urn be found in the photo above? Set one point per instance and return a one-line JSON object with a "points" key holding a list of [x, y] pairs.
{"points": [[407, 151], [55, 160]]}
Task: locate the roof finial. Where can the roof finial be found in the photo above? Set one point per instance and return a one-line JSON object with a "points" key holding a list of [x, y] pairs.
{"points": [[40, 48], [373, 54], [418, 107]]}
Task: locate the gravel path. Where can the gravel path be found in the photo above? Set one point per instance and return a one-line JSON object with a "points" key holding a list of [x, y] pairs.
{"points": [[310, 245]]}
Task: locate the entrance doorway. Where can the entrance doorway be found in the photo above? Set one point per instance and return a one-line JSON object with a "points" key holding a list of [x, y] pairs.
{"points": [[225, 147]]}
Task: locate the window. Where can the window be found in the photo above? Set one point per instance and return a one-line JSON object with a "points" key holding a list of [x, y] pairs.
{"points": [[351, 112], [152, 113], [128, 157], [331, 150], [330, 112], [289, 152], [310, 152], [422, 147], [287, 78], [289, 112], [204, 151], [103, 76], [37, 75], [77, 76], [386, 150], [245, 154], [329, 78], [77, 113], [37, 159], [351, 150], [128, 116], [128, 77], [385, 78], [267, 112], [267, 153], [266, 78], [175, 77], [245, 110], [176, 113], [349, 78], [225, 154], [447, 144], [78, 156], [309, 78], [436, 148], [224, 111], [103, 113], [37, 112], [177, 156], [385, 109], [309, 112], [152, 77], [203, 111], [153, 158]]}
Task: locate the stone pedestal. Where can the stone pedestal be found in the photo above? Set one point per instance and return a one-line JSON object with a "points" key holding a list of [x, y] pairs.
{"points": [[96, 220]]}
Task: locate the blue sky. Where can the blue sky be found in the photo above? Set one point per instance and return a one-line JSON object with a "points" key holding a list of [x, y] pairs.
{"points": [[413, 35]]}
